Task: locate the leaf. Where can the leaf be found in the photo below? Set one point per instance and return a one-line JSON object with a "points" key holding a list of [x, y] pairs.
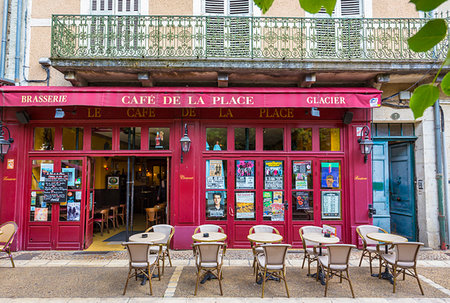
{"points": [[423, 97], [428, 36], [329, 6], [264, 5], [311, 6], [427, 5], [445, 84]]}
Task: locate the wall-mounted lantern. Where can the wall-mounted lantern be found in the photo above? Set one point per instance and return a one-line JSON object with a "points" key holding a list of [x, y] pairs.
{"points": [[365, 143], [5, 143], [185, 142]]}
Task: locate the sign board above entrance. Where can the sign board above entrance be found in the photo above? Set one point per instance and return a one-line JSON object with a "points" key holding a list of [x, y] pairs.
{"points": [[175, 97]]}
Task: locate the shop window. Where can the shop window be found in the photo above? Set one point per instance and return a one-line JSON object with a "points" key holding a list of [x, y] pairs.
{"points": [[382, 129], [395, 129], [273, 196], [408, 129], [273, 138], [40, 210], [72, 138], [302, 195], [301, 139], [130, 138], [244, 138], [244, 200], [44, 138], [216, 196], [216, 139], [101, 138], [330, 139], [71, 210], [330, 193], [159, 138]]}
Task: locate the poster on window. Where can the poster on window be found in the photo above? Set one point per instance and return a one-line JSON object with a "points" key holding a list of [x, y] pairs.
{"points": [[215, 177], [245, 205], [277, 212], [300, 172], [267, 203], [216, 203], [41, 214], [273, 175], [331, 205], [113, 182], [301, 200], [73, 211], [46, 169], [329, 174], [70, 172], [245, 174]]}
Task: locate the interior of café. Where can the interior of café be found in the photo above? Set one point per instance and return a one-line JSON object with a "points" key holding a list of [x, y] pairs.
{"points": [[148, 190]]}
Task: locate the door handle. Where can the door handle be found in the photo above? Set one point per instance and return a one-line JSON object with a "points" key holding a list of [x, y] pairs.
{"points": [[231, 212], [372, 211]]}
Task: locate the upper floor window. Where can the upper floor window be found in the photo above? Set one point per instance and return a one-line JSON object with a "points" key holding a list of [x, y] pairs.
{"points": [[227, 7], [115, 7]]}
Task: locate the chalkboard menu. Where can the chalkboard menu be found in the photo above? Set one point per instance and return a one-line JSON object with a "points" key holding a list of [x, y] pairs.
{"points": [[55, 188]]}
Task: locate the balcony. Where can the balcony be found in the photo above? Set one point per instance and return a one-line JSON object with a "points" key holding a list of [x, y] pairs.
{"points": [[170, 49]]}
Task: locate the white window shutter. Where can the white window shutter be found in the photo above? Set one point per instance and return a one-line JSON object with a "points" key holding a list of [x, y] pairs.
{"points": [[351, 8], [115, 7], [216, 7], [239, 7]]}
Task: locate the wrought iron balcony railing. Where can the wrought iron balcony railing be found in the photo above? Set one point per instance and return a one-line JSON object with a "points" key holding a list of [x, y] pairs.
{"points": [[254, 38]]}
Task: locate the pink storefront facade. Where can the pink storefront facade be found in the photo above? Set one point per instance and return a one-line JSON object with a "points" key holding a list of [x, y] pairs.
{"points": [[263, 152]]}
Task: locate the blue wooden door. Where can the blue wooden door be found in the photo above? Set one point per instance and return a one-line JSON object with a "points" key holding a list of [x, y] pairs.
{"points": [[380, 184], [402, 202]]}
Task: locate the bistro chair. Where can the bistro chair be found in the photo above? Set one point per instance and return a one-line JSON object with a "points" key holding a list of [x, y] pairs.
{"points": [[403, 260], [112, 216], [310, 248], [209, 259], [207, 228], [271, 263], [257, 249], [141, 262], [335, 264], [122, 212], [9, 230], [162, 247], [159, 213], [150, 217], [371, 248], [103, 220]]}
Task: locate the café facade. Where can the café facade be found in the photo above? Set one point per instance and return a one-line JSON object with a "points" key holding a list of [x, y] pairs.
{"points": [[286, 157]]}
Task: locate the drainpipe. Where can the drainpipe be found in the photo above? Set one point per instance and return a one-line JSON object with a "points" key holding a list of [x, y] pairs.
{"points": [[4, 33], [441, 215], [445, 181], [18, 37]]}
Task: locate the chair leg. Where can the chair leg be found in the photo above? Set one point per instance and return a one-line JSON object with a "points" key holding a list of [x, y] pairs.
{"points": [[150, 280], [304, 258], [309, 266], [325, 272], [418, 280], [285, 282], [101, 229], [394, 272], [264, 282], [317, 271], [360, 260], [350, 283], [219, 274], [10, 257], [126, 284], [379, 269], [163, 259], [370, 262], [168, 256], [198, 279]]}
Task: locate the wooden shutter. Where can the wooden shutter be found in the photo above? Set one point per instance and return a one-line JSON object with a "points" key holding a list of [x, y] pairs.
{"points": [[115, 7], [351, 28], [239, 28]]}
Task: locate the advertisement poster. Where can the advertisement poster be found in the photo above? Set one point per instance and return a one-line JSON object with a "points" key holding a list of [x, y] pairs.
{"points": [[329, 229], [329, 175], [301, 200], [216, 203], [277, 212], [267, 203], [300, 172], [215, 177], [41, 214], [273, 175], [70, 172], [113, 182], [245, 174], [331, 205], [245, 205], [46, 168], [73, 211]]}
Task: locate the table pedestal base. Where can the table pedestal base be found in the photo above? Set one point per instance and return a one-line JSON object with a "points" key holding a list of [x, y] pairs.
{"points": [[386, 275], [321, 277], [269, 277], [207, 276]]}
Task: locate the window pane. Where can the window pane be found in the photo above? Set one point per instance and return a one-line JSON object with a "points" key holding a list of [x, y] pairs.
{"points": [[216, 205], [40, 169], [245, 174], [74, 169], [301, 139], [216, 139], [302, 206], [273, 174], [244, 138], [395, 129], [245, 206], [408, 129], [72, 138], [330, 175], [101, 138], [130, 138], [273, 207], [273, 139], [302, 175], [40, 210], [382, 129], [159, 138], [330, 139], [44, 138], [216, 174]]}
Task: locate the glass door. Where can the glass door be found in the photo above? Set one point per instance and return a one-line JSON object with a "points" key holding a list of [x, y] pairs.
{"points": [[89, 203]]}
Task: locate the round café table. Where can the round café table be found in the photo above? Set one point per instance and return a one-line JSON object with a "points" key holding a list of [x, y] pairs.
{"points": [[265, 237], [386, 238], [320, 239], [212, 237], [151, 237]]}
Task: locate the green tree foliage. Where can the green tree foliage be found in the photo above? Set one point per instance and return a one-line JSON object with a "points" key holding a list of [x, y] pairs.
{"points": [[433, 32]]}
